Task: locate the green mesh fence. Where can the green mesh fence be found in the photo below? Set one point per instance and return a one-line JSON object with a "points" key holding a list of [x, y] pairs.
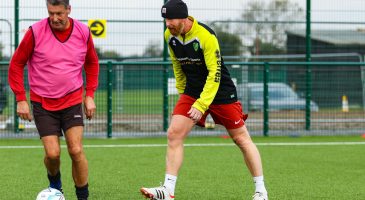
{"points": [[250, 33], [336, 104]]}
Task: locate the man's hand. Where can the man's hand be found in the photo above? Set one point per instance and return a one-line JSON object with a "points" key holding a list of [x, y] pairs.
{"points": [[23, 111], [195, 114], [89, 107]]}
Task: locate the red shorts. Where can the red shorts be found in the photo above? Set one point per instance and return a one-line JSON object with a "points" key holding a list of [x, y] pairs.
{"points": [[230, 115]]}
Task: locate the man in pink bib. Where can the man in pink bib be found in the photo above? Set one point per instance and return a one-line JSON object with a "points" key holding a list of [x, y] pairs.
{"points": [[56, 49]]}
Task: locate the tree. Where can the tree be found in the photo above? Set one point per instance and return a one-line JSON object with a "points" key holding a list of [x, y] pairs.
{"points": [[153, 49], [99, 52], [111, 54], [230, 44], [1, 49], [107, 54], [274, 19], [266, 48]]}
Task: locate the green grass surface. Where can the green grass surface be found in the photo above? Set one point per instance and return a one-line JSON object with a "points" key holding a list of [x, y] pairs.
{"points": [[131, 101], [214, 172]]}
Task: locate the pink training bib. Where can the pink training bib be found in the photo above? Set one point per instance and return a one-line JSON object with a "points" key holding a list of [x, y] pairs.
{"points": [[55, 68]]}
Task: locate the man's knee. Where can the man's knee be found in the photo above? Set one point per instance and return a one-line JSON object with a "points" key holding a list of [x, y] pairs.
{"points": [[173, 133], [76, 153], [53, 155], [175, 137], [242, 142]]}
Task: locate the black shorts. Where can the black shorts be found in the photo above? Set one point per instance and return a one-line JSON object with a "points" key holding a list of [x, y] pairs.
{"points": [[56, 122]]}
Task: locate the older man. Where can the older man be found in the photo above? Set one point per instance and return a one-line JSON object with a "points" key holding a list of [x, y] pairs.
{"points": [[56, 49]]}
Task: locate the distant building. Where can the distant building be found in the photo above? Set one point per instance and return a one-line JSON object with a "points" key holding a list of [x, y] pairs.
{"points": [[327, 41], [331, 82]]}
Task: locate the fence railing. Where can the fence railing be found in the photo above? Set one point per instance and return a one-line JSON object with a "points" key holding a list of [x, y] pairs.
{"points": [[281, 98]]}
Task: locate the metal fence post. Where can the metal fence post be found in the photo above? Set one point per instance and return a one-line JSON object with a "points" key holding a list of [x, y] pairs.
{"points": [[362, 68], [165, 98], [165, 84], [309, 68], [110, 99], [16, 43], [266, 98]]}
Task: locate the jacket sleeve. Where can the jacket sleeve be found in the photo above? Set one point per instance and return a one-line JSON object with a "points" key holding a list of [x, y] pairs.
{"points": [[91, 67], [17, 64], [212, 59], [178, 73]]}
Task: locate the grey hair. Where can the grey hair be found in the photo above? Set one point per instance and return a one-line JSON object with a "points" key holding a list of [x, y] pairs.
{"points": [[66, 3]]}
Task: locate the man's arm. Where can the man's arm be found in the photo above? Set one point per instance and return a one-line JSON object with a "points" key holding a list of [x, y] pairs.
{"points": [[16, 73], [213, 62], [17, 64], [91, 67]]}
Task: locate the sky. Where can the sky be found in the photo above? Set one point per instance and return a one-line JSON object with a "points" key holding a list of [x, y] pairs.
{"points": [[129, 38]]}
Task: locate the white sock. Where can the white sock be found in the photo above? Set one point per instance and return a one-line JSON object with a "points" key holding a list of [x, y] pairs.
{"points": [[170, 182], [259, 184]]}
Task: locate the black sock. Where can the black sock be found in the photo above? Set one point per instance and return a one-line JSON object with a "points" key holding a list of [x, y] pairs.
{"points": [[82, 193], [55, 181]]}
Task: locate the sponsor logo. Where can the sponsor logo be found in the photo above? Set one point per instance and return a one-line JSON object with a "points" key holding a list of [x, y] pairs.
{"points": [[217, 78], [163, 10], [196, 46], [77, 116], [190, 61]]}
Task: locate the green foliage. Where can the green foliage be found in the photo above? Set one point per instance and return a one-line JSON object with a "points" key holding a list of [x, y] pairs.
{"points": [[230, 44], [107, 54], [266, 48], [1, 49], [110, 54], [153, 49]]}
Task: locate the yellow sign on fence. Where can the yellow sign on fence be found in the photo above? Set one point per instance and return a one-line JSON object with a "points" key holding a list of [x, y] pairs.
{"points": [[97, 28]]}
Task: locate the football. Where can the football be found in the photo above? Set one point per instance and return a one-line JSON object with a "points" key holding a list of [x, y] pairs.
{"points": [[50, 194]]}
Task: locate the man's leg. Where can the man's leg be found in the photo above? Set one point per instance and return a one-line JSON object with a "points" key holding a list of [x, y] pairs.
{"points": [[79, 163], [52, 160], [180, 127], [251, 155]]}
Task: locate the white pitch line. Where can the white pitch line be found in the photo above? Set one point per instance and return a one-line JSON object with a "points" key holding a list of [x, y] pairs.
{"points": [[309, 143], [21, 147], [198, 145]]}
